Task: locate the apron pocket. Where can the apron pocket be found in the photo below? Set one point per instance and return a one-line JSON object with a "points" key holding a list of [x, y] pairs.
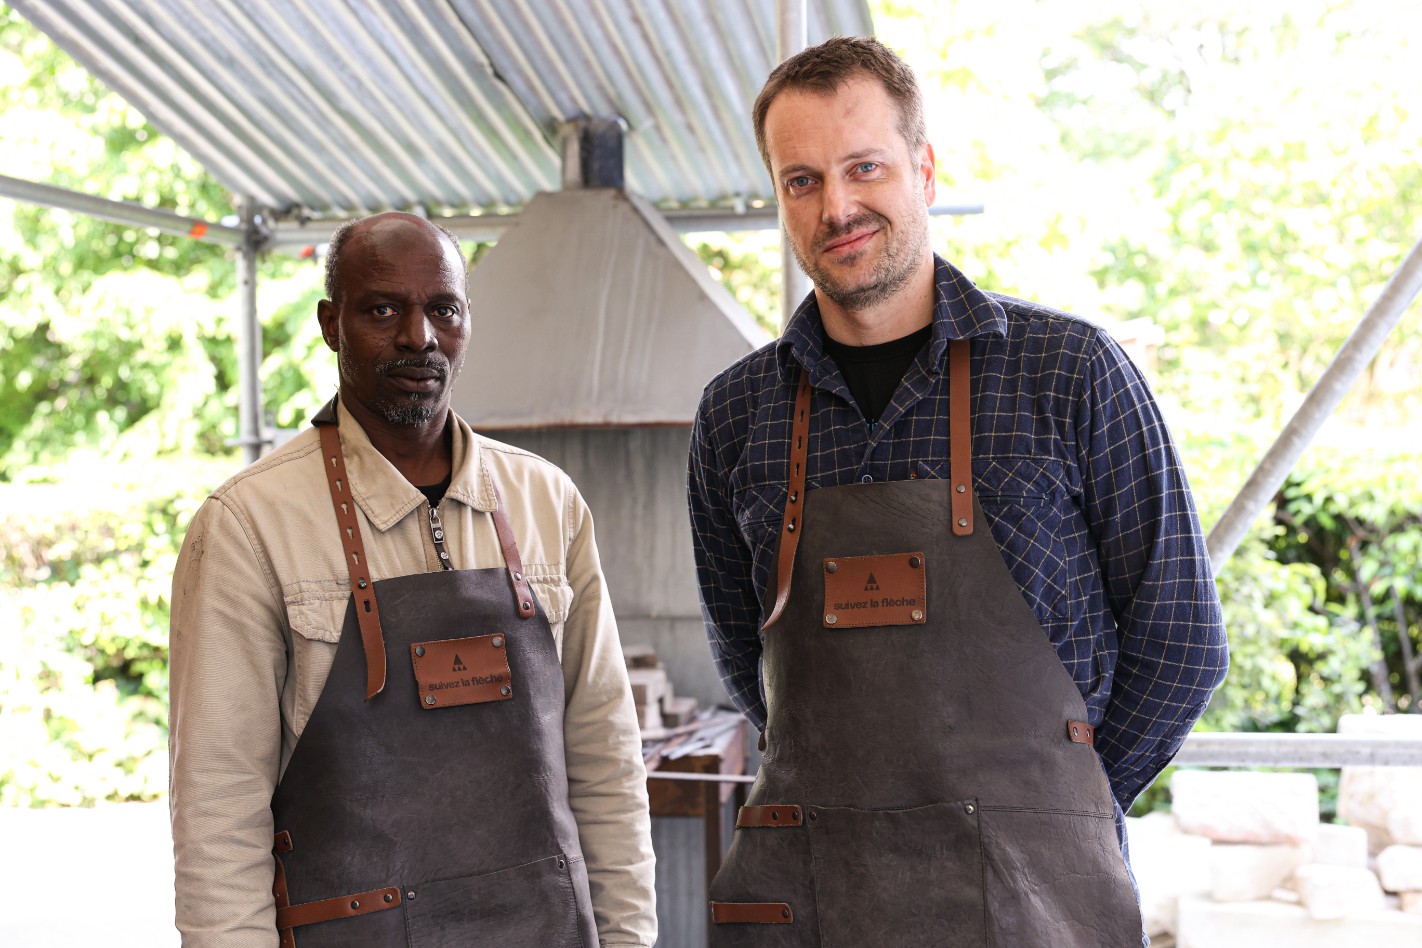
{"points": [[541, 904], [903, 877], [1060, 871], [766, 864]]}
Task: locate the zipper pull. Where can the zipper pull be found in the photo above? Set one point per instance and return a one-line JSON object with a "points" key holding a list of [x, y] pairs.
{"points": [[437, 532]]}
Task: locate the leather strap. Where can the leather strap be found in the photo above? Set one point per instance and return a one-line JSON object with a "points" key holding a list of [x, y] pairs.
{"points": [[342, 906], [279, 891], [1079, 732], [367, 611], [523, 598], [794, 500], [960, 436], [756, 913], [771, 815]]}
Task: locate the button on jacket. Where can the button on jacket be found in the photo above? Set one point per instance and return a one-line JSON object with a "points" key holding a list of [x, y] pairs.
{"points": [[259, 597], [1074, 468]]}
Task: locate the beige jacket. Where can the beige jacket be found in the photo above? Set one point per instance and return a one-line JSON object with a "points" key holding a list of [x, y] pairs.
{"points": [[259, 598]]}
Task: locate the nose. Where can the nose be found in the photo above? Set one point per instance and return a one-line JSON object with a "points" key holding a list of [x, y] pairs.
{"points": [[839, 203], [415, 332]]}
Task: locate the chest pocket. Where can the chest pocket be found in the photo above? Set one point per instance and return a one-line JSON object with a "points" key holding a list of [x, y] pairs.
{"points": [[316, 612], [759, 511], [1022, 498], [555, 596]]}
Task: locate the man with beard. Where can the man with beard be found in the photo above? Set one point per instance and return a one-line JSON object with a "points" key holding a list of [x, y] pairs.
{"points": [[399, 709], [949, 563]]}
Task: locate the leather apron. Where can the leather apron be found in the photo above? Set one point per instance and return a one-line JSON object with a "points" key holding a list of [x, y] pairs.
{"points": [[429, 806], [928, 776]]}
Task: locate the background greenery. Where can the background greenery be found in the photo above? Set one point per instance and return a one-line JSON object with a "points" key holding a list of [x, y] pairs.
{"points": [[1247, 179]]}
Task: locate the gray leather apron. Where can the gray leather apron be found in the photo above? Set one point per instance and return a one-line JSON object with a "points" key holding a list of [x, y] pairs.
{"points": [[928, 776], [429, 806]]}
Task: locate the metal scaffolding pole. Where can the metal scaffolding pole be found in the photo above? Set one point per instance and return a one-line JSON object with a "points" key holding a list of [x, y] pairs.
{"points": [[1350, 362], [791, 36], [249, 336], [120, 212]]}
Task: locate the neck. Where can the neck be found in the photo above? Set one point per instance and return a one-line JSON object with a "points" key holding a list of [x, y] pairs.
{"points": [[905, 312], [422, 453]]}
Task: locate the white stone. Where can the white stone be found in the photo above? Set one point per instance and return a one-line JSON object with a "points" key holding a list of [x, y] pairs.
{"points": [[1384, 801], [1167, 865], [1245, 807], [1207, 924], [1330, 892], [1243, 872], [1400, 868], [1412, 902], [1339, 845]]}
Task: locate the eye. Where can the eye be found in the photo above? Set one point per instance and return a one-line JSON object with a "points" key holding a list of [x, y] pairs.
{"points": [[799, 182], [447, 311], [866, 167], [383, 310]]}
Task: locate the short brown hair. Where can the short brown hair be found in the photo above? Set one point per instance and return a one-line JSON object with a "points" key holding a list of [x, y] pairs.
{"points": [[826, 67]]}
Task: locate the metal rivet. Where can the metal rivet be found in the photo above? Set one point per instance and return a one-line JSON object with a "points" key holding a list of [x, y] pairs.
{"points": [[915, 562], [970, 809], [497, 641], [355, 903], [420, 651], [410, 894], [784, 913], [790, 527], [794, 496], [505, 691], [429, 699], [518, 576], [831, 619], [389, 897], [814, 815], [917, 615], [1074, 730], [961, 488], [962, 521], [362, 584], [831, 566], [562, 864], [794, 814], [527, 605], [774, 815]]}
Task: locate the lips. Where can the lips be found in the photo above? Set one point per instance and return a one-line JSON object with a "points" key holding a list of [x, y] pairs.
{"points": [[852, 236], [415, 376]]}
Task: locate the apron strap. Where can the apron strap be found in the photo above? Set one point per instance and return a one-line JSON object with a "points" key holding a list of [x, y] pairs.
{"points": [[789, 529], [523, 599], [960, 466], [367, 611], [960, 439]]}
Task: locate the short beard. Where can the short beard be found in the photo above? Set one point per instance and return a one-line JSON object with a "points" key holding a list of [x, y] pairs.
{"points": [[409, 409], [891, 272]]}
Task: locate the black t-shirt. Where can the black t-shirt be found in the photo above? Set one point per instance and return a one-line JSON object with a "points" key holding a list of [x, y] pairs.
{"points": [[873, 373], [435, 492]]}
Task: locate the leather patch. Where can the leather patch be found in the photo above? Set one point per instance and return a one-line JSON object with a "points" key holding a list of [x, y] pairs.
{"points": [[451, 672], [1080, 732], [874, 590], [754, 913]]}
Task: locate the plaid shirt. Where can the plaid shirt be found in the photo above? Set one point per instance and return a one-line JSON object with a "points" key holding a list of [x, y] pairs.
{"points": [[1073, 467]]}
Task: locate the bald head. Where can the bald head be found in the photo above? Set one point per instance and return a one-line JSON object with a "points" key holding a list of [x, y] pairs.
{"points": [[387, 221]]}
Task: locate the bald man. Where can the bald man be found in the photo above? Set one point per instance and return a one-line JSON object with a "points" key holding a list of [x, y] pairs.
{"points": [[399, 710]]}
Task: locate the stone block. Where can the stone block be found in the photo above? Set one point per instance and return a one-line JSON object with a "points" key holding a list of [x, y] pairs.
{"points": [[1208, 924], [1167, 865], [1332, 892], [649, 685], [1244, 872], [1339, 845], [1400, 868], [1384, 801], [1245, 807]]}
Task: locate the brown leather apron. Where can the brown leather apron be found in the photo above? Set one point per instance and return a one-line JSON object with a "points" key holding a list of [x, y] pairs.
{"points": [[429, 806], [928, 777]]}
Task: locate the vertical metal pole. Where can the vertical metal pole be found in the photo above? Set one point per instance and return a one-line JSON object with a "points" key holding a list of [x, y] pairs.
{"points": [[791, 36], [249, 336], [1350, 362]]}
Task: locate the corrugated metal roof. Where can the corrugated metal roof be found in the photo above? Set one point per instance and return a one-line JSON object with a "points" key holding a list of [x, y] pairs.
{"points": [[337, 107]]}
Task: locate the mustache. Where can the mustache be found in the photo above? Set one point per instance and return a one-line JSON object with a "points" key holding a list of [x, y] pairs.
{"points": [[836, 231], [437, 366]]}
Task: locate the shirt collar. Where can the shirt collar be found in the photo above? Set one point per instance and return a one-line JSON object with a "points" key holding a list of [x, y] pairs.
{"points": [[960, 311]]}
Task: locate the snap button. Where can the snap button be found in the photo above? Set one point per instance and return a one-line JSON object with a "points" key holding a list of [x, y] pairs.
{"points": [[410, 894], [970, 809], [866, 479]]}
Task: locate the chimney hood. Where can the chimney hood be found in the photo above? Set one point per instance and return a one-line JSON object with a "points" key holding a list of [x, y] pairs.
{"points": [[591, 312]]}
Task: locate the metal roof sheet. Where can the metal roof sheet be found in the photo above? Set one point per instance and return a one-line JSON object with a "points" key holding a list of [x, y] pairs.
{"points": [[342, 107]]}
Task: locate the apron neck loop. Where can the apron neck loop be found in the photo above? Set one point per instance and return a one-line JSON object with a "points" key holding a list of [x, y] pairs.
{"points": [[960, 438], [367, 611], [794, 499], [523, 598]]}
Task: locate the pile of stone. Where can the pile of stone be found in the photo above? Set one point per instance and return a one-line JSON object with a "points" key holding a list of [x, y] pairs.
{"points": [[1243, 859], [658, 706]]}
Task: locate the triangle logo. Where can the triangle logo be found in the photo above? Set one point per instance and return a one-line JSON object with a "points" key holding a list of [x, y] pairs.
{"points": [[871, 584], [459, 666]]}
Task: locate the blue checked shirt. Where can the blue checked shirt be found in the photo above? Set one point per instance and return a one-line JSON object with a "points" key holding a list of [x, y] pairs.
{"points": [[1074, 469]]}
